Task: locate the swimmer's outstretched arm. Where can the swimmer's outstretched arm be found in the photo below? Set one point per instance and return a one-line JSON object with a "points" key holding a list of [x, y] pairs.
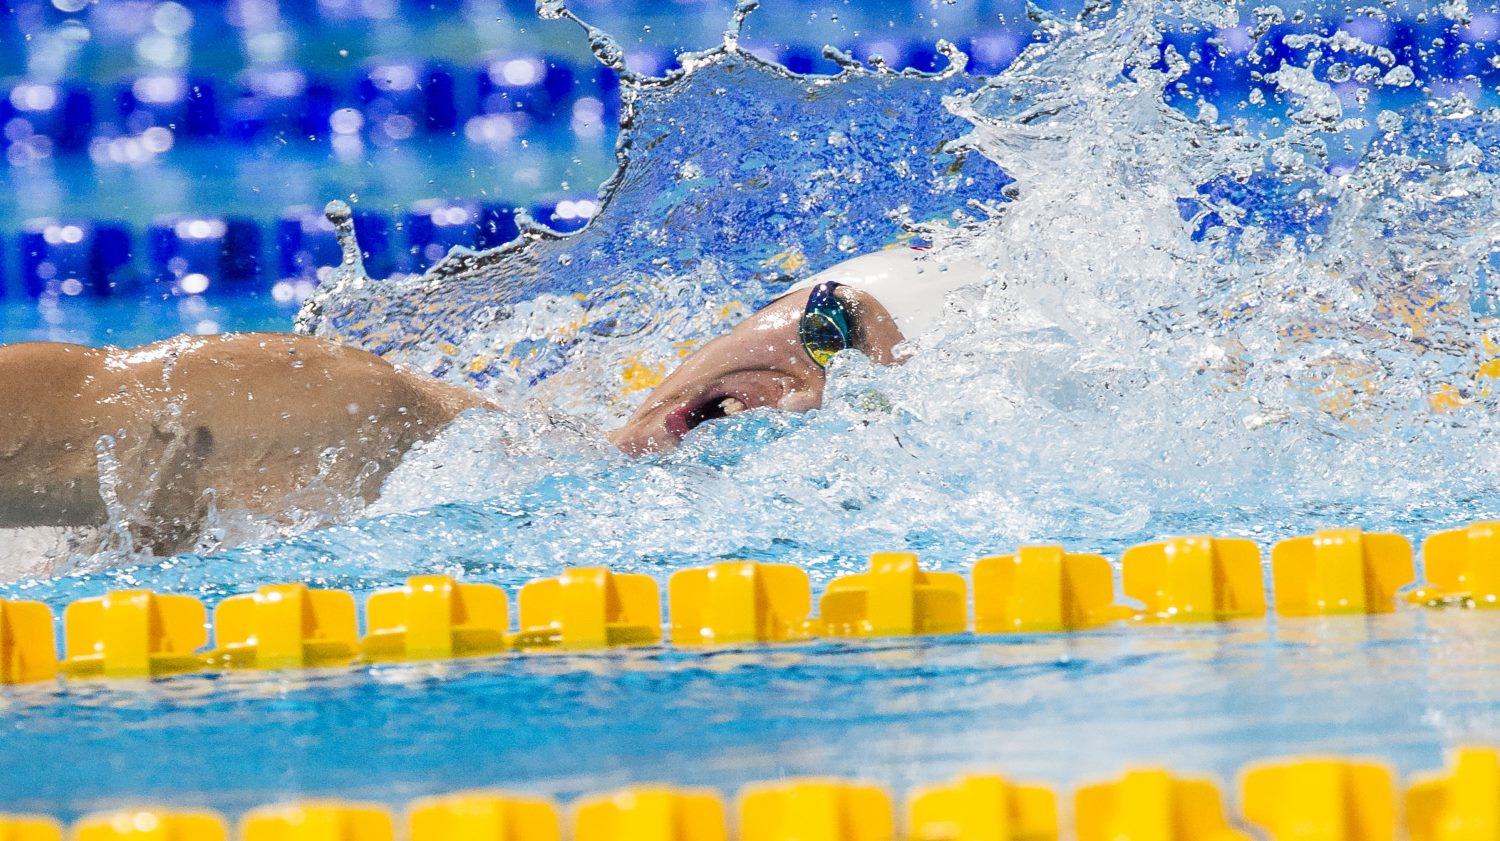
{"points": [[258, 422]]}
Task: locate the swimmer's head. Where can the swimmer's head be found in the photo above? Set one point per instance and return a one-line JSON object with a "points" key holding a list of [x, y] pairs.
{"points": [[761, 362]]}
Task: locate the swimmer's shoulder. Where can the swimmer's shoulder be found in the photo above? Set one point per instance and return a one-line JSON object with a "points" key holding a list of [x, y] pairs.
{"points": [[27, 367], [351, 365], [215, 366], [50, 353], [254, 347]]}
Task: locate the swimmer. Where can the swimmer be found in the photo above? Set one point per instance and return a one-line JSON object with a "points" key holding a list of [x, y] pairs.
{"points": [[272, 423]]}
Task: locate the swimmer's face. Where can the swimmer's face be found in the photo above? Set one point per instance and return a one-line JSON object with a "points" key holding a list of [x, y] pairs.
{"points": [[759, 363]]}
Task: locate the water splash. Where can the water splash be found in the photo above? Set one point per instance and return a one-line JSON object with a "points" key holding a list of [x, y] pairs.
{"points": [[734, 176], [1146, 332], [1190, 321], [351, 269]]}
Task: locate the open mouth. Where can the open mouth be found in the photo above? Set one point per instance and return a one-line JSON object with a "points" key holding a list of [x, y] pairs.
{"points": [[712, 408]]}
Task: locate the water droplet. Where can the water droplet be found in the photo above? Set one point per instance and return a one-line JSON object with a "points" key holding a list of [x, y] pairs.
{"points": [[607, 51], [1399, 77], [353, 263]]}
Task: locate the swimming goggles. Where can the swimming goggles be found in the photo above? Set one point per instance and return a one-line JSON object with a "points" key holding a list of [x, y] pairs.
{"points": [[824, 329]]}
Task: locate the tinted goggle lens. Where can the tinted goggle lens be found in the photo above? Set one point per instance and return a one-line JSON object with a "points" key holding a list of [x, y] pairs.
{"points": [[825, 325], [822, 337]]}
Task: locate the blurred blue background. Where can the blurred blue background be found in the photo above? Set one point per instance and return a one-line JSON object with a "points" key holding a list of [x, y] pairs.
{"points": [[166, 161]]}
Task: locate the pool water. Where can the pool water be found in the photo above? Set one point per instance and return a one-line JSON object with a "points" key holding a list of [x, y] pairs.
{"points": [[1063, 709], [1192, 323]]}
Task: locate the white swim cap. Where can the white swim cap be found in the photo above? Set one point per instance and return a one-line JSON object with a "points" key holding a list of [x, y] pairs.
{"points": [[908, 282]]}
